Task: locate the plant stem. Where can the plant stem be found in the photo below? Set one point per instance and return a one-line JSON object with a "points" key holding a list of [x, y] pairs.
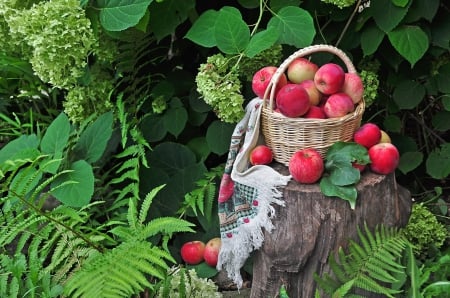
{"points": [[348, 23]]}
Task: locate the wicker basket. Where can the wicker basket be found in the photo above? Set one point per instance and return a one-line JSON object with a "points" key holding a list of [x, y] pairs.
{"points": [[286, 135]]}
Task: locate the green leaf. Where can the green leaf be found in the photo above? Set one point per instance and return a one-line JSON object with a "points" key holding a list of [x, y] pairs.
{"points": [[231, 32], [409, 161], [16, 147], [94, 138], [438, 162], [171, 158], [392, 123], [203, 270], [218, 136], [345, 175], [440, 121], [261, 41], [174, 13], [175, 119], [276, 5], [410, 41], [446, 101], [25, 181], [422, 9], [371, 38], [200, 147], [400, 3], [155, 127], [296, 26], [408, 94], [75, 188], [249, 3], [55, 139], [386, 14], [118, 15], [437, 289], [347, 193], [441, 33], [443, 78], [347, 152], [202, 31]]}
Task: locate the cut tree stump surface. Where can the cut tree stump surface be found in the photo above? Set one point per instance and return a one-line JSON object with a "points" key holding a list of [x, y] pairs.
{"points": [[311, 226]]}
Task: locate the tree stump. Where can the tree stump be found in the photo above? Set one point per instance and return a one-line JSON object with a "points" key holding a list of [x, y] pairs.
{"points": [[311, 226]]}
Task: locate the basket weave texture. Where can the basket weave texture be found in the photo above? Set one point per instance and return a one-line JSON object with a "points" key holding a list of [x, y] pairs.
{"points": [[285, 135]]}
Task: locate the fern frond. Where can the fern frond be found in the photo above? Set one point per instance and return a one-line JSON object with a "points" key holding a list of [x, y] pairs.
{"points": [[372, 262], [120, 272], [145, 206], [165, 225]]}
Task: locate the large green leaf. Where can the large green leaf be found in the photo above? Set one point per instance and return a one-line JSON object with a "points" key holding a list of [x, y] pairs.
{"points": [[174, 13], [75, 188], [171, 157], [440, 33], [386, 14], [118, 15], [218, 136], [261, 41], [410, 41], [231, 32], [295, 26], [408, 94], [56, 136], [175, 118], [440, 121], [94, 138], [202, 31], [409, 161], [438, 162], [371, 38], [16, 148], [422, 9], [153, 128]]}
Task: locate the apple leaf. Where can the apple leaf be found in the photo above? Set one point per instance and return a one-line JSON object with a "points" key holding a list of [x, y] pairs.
{"points": [[176, 117], [347, 193], [296, 26], [341, 177], [231, 32], [409, 41], [218, 136]]}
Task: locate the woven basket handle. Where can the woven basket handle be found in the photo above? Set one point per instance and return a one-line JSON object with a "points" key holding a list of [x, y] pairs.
{"points": [[270, 90]]}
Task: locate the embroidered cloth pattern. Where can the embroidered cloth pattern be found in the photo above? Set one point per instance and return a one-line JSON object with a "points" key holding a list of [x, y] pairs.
{"points": [[246, 196]]}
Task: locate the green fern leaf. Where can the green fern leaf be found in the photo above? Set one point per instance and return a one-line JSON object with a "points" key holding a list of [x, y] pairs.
{"points": [[147, 202], [165, 225]]}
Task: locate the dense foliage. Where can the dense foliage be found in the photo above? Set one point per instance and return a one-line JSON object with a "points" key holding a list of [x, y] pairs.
{"points": [[116, 116]]}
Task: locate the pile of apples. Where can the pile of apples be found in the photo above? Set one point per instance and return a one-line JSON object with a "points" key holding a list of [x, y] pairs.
{"points": [[309, 91], [196, 251], [307, 165]]}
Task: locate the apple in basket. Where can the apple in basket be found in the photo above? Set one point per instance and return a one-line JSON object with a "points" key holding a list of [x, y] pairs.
{"points": [[292, 100], [315, 112], [192, 252], [384, 158], [353, 86], [338, 105], [314, 93], [306, 166], [329, 78], [261, 80], [261, 155], [212, 249], [301, 69]]}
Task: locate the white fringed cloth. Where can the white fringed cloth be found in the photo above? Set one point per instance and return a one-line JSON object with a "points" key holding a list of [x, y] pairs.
{"points": [[246, 196]]}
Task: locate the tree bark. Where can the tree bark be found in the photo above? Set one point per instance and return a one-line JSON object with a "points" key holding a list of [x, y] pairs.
{"points": [[312, 226]]}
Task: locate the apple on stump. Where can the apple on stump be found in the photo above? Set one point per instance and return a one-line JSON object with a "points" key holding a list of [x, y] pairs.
{"points": [[192, 252], [384, 158], [367, 135], [261, 155], [306, 166]]}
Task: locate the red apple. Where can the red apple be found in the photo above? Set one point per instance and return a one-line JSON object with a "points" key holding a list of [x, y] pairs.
{"points": [[313, 92], [261, 80], [301, 69], [353, 86], [315, 112], [384, 158], [306, 166], [212, 250], [329, 78], [338, 105], [292, 100], [261, 155], [367, 135], [192, 252]]}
